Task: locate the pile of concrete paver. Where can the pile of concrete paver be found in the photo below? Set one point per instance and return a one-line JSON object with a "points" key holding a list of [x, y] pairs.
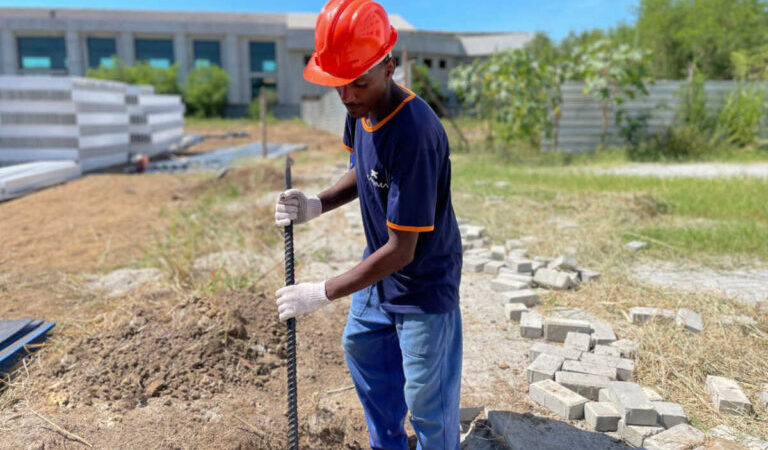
{"points": [[589, 377]]}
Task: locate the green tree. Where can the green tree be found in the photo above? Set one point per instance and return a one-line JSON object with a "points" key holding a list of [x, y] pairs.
{"points": [[613, 75], [164, 80], [423, 84], [205, 91]]}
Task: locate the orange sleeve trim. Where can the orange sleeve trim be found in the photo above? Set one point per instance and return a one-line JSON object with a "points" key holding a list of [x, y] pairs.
{"points": [[372, 128], [348, 148], [395, 226]]}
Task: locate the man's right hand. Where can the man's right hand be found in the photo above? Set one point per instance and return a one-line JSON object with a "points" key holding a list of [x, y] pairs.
{"points": [[293, 206]]}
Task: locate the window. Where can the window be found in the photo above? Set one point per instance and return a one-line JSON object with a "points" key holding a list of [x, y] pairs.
{"points": [[270, 85], [306, 59], [101, 51], [442, 64], [157, 52], [263, 57], [206, 53], [42, 53], [428, 62]]}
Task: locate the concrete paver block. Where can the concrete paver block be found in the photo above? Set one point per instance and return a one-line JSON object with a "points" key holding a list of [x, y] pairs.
{"points": [[601, 416], [729, 434], [627, 348], [744, 321], [636, 245], [475, 232], [543, 368], [542, 347], [679, 437], [579, 341], [552, 279], [602, 332], [636, 434], [606, 350], [504, 284], [513, 311], [512, 244], [625, 368], [653, 396], [632, 403], [670, 414], [527, 297], [498, 253], [474, 265], [519, 265], [536, 265], [506, 272], [586, 275], [531, 325], [558, 399], [728, 396], [492, 267], [763, 396], [583, 384], [556, 329], [642, 314], [603, 397], [590, 368], [689, 319], [563, 262]]}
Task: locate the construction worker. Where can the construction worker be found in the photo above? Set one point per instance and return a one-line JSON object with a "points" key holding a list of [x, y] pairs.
{"points": [[402, 340]]}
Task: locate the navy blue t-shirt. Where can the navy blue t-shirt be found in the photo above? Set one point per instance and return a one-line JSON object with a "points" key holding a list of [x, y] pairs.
{"points": [[403, 182]]}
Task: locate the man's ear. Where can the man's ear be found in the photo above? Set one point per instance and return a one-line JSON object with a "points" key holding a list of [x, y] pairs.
{"points": [[389, 68]]}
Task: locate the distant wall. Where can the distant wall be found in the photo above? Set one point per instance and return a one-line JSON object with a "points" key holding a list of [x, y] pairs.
{"points": [[325, 112]]}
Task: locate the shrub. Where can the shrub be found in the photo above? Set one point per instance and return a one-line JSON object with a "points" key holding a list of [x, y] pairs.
{"points": [[742, 113], [205, 91], [164, 80]]}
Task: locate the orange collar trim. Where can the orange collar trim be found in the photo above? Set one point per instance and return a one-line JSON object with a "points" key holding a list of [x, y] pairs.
{"points": [[372, 128]]}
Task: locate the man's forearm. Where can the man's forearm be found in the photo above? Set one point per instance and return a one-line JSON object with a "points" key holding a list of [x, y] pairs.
{"points": [[343, 192], [383, 262]]}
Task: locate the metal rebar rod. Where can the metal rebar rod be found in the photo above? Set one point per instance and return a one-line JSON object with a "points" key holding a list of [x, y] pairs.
{"points": [[293, 415]]}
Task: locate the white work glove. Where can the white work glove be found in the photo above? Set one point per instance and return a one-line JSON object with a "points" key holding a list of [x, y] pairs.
{"points": [[293, 206], [300, 299]]}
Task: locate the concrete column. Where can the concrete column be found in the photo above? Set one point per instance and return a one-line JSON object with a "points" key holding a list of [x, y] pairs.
{"points": [[180, 55], [125, 48], [9, 62], [75, 64], [230, 62]]}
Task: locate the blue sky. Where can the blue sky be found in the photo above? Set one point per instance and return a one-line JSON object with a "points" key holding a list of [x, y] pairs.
{"points": [[555, 17]]}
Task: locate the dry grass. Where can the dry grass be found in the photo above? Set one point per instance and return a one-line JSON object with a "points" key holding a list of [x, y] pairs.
{"points": [[671, 359]]}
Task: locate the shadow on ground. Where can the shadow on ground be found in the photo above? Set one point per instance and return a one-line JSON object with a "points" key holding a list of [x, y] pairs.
{"points": [[529, 432]]}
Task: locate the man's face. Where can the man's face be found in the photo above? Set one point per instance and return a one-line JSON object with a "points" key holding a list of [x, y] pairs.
{"points": [[361, 95]]}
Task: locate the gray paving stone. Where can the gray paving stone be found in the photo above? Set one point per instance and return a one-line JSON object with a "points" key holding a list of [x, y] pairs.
{"points": [[475, 232], [627, 348], [543, 368], [503, 284], [606, 350], [506, 272], [519, 265], [563, 262], [516, 254], [632, 403], [636, 245], [558, 399], [492, 267], [552, 279], [690, 319], [728, 396], [642, 314], [474, 265], [556, 329], [679, 437], [625, 368], [670, 414], [583, 384], [498, 253], [527, 297], [513, 244], [531, 325], [513, 311], [602, 332], [542, 347], [603, 397], [729, 434], [590, 368], [601, 416], [586, 275], [536, 265], [744, 321], [579, 341], [653, 396], [636, 434], [763, 395]]}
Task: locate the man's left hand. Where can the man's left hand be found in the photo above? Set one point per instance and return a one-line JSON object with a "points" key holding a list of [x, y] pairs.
{"points": [[300, 299]]}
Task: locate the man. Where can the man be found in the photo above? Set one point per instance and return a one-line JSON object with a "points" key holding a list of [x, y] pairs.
{"points": [[403, 335]]}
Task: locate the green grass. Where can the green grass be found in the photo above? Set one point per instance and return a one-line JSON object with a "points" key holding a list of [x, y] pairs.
{"points": [[697, 216]]}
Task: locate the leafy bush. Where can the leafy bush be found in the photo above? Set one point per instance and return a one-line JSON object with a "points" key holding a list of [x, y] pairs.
{"points": [[205, 91], [164, 80], [423, 83], [677, 142], [254, 109], [741, 115]]}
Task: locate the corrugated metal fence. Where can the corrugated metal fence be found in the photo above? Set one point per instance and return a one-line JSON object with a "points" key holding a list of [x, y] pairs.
{"points": [[581, 122]]}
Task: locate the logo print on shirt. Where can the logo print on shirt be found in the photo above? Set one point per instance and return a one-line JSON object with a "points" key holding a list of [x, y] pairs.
{"points": [[373, 178]]}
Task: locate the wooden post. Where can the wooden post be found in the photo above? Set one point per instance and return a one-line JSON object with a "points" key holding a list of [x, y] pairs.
{"points": [[406, 67], [263, 117]]}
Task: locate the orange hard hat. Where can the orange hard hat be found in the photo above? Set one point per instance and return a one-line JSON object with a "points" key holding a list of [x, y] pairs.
{"points": [[351, 36]]}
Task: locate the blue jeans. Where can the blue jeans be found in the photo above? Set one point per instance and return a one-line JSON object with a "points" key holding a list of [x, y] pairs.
{"points": [[401, 363]]}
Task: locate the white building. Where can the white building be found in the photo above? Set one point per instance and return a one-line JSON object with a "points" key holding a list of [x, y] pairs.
{"points": [[255, 49]]}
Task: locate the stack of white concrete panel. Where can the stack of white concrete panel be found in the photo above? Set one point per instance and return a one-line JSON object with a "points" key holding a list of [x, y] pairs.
{"points": [[157, 121], [63, 118], [23, 178]]}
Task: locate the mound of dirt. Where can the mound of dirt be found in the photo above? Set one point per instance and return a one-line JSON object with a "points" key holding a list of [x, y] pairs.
{"points": [[188, 351]]}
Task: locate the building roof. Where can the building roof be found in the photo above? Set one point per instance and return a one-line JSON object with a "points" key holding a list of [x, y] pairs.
{"points": [[307, 21], [480, 44]]}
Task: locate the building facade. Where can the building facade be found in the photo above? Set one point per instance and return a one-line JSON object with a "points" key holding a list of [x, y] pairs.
{"points": [[255, 49]]}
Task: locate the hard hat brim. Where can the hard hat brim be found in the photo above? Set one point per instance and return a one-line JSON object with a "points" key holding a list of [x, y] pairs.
{"points": [[316, 75]]}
